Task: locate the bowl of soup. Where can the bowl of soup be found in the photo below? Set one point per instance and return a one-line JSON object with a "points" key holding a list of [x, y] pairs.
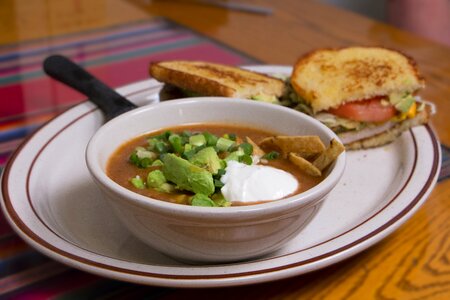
{"points": [[214, 179]]}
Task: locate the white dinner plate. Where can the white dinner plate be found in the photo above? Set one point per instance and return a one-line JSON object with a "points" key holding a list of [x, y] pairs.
{"points": [[51, 201]]}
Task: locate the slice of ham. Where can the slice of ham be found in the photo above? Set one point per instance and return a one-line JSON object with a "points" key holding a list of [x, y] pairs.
{"points": [[394, 128], [353, 136], [391, 134]]}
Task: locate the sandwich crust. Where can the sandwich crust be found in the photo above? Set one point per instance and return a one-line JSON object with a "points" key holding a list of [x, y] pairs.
{"points": [[327, 78], [210, 79]]}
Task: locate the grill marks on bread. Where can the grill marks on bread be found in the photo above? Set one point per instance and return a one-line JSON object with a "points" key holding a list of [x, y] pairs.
{"points": [[231, 75], [210, 79], [373, 70], [327, 78]]}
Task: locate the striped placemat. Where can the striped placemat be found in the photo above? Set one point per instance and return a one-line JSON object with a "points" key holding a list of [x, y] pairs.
{"points": [[117, 55], [28, 98]]}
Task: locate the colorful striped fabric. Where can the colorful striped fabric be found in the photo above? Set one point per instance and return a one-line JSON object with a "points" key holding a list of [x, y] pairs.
{"points": [[117, 55], [28, 98]]}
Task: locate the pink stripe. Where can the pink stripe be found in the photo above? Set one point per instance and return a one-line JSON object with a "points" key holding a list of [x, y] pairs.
{"points": [[35, 95], [8, 147], [95, 52], [37, 59], [44, 93], [3, 160]]}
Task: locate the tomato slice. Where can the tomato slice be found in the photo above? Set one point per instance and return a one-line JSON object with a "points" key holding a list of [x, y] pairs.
{"points": [[370, 110]]}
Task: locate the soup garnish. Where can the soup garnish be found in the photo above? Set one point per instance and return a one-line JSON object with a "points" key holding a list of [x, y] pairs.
{"points": [[210, 165]]}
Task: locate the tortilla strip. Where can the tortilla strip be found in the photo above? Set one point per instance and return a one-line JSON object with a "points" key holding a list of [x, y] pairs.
{"points": [[304, 165], [269, 144], [329, 155], [305, 146]]}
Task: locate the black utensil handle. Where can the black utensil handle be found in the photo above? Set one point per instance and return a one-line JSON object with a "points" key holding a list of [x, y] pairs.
{"points": [[66, 71]]}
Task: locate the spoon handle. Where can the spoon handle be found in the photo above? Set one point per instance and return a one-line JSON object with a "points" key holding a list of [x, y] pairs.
{"points": [[66, 71]]}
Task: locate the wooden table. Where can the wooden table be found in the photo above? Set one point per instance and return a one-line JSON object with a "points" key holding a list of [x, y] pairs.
{"points": [[413, 262]]}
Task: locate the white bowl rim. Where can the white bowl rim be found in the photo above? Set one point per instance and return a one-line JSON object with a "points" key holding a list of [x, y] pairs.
{"points": [[301, 199]]}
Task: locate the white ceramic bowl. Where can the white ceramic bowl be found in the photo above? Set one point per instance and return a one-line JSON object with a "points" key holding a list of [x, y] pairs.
{"points": [[209, 234]]}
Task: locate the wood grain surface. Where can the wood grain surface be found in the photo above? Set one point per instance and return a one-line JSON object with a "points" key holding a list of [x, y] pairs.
{"points": [[414, 261]]}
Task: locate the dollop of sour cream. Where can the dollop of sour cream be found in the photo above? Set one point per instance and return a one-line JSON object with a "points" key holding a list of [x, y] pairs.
{"points": [[251, 183]]}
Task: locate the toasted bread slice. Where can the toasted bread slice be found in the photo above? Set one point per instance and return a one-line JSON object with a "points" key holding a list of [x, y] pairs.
{"points": [[327, 78], [210, 79]]}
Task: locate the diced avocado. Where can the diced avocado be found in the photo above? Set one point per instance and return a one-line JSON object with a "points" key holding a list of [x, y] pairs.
{"points": [[207, 158], [201, 182], [166, 188], [197, 140], [186, 175], [224, 144], [266, 98], [157, 163], [202, 200], [155, 179], [402, 102], [137, 182], [187, 147], [405, 104]]}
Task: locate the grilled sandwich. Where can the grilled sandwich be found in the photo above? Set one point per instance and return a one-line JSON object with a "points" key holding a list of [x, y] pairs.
{"points": [[365, 94], [211, 79]]}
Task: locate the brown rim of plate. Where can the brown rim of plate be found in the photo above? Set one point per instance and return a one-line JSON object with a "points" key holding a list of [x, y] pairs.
{"points": [[28, 232]]}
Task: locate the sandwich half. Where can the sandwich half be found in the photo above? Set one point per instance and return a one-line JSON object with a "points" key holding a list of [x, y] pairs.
{"points": [[367, 95], [211, 79]]}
